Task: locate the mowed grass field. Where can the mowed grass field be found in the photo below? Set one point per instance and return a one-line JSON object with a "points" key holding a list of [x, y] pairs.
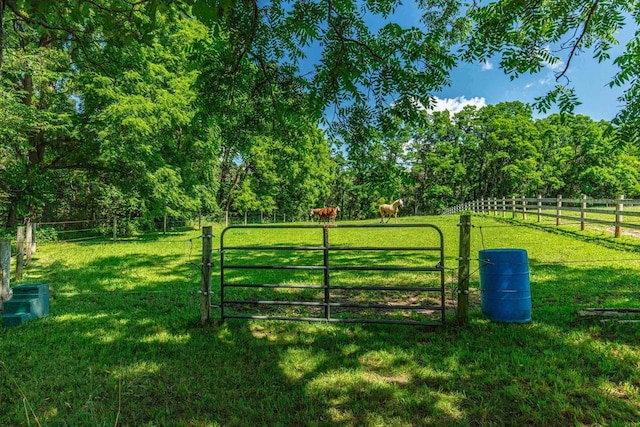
{"points": [[123, 345]]}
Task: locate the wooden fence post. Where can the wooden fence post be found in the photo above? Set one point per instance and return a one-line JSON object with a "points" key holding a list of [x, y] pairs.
{"points": [[495, 206], [29, 247], [34, 237], [513, 206], [5, 272], [205, 293], [524, 208], [20, 252], [462, 314], [504, 206], [583, 211], [558, 209], [539, 207], [619, 209]]}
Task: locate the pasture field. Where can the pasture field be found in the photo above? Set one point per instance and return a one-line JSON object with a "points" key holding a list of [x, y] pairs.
{"points": [[123, 346]]}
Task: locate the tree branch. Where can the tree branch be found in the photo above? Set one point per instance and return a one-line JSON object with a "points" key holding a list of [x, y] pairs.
{"points": [[40, 23], [2, 4], [345, 39], [248, 43], [576, 45]]}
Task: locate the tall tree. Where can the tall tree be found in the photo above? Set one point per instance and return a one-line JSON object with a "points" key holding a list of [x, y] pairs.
{"points": [[44, 48], [580, 157], [526, 35], [377, 74], [286, 176], [433, 154]]}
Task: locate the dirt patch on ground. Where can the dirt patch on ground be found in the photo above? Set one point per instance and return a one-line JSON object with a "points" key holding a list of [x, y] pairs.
{"points": [[625, 231]]}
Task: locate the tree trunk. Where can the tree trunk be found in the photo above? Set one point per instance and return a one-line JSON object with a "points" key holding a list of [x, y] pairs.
{"points": [[1, 33], [236, 181], [12, 216]]}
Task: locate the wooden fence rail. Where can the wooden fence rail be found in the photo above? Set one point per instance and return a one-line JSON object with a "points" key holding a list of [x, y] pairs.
{"points": [[608, 212]]}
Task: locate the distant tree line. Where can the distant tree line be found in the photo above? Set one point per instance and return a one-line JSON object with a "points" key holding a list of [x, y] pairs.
{"points": [[494, 151]]}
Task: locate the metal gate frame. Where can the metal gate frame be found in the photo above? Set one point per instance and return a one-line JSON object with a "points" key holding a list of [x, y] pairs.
{"points": [[327, 268]]}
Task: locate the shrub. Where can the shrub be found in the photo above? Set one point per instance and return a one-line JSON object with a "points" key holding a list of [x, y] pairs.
{"points": [[46, 234]]}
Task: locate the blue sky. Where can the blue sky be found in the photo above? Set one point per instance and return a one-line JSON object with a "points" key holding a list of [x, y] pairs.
{"points": [[482, 84], [485, 83]]}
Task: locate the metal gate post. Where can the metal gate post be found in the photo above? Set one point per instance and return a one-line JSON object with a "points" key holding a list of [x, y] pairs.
{"points": [[463, 269], [205, 295], [325, 244]]}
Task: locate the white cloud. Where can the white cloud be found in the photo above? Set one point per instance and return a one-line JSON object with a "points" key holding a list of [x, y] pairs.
{"points": [[549, 65], [455, 105], [528, 85], [486, 65], [553, 67]]}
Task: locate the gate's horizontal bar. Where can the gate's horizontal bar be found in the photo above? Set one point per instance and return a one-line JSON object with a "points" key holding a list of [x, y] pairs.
{"points": [[337, 304], [270, 285], [275, 267], [347, 288], [386, 248], [321, 226], [390, 268], [249, 316], [331, 248], [334, 320], [386, 288], [386, 306], [275, 248], [260, 302], [333, 268]]}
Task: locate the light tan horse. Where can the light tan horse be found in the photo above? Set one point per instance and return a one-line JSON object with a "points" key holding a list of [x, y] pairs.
{"points": [[390, 210]]}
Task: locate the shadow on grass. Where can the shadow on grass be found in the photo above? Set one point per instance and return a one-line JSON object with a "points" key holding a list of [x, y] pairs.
{"points": [[140, 358], [127, 366]]}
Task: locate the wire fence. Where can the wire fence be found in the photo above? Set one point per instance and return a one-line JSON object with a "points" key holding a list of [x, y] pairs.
{"points": [[187, 262]]}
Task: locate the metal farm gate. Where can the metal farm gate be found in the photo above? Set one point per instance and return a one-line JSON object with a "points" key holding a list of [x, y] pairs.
{"points": [[304, 277]]}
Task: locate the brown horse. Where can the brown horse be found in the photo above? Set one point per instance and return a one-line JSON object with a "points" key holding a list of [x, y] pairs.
{"points": [[325, 214], [390, 210]]}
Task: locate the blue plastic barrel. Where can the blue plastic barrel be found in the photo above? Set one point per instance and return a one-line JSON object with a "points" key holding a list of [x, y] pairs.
{"points": [[505, 293]]}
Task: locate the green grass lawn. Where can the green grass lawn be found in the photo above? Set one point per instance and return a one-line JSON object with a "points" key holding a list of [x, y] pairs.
{"points": [[123, 345]]}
